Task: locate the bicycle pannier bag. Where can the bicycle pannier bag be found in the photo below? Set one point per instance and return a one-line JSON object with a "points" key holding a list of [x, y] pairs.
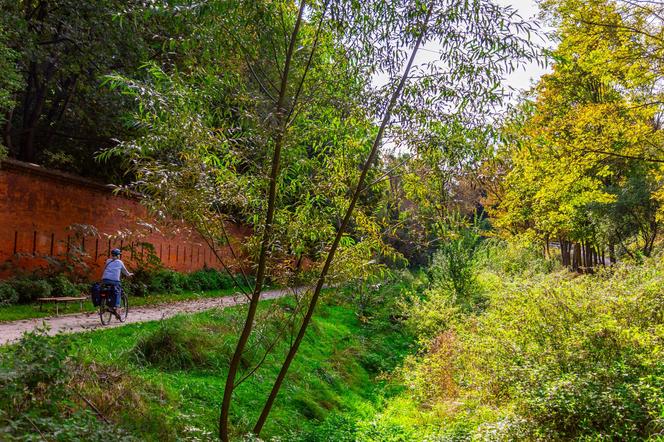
{"points": [[95, 294]]}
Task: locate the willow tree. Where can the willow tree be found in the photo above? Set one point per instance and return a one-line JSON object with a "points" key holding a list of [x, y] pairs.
{"points": [[476, 42], [275, 123], [208, 137]]}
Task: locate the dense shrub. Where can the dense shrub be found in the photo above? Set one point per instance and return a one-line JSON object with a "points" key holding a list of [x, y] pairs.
{"points": [[61, 286], [34, 372], [166, 281], [30, 289], [193, 282], [25, 290], [560, 356], [35, 395], [208, 279], [429, 313], [453, 268], [8, 295], [514, 258]]}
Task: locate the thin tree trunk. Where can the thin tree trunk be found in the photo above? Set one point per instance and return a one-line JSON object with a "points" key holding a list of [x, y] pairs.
{"points": [[330, 257], [70, 88], [576, 259], [612, 253], [31, 117], [267, 233], [564, 252]]}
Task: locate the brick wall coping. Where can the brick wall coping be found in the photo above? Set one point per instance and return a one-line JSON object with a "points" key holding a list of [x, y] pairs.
{"points": [[55, 175]]}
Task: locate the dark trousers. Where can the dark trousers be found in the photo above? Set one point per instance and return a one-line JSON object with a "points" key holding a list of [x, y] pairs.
{"points": [[118, 289]]}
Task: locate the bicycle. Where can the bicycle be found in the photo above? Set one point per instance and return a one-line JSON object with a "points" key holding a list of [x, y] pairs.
{"points": [[107, 308]]}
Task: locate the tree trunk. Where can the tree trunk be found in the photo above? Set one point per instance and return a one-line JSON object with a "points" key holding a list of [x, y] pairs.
{"points": [[7, 130], [612, 253], [576, 259], [281, 117], [32, 110]]}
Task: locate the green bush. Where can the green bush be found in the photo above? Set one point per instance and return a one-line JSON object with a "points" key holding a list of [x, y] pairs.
{"points": [[166, 281], [35, 377], [207, 279], [192, 282], [514, 258], [337, 427], [169, 281], [453, 267], [30, 289], [29, 367], [61, 286], [8, 295], [575, 357]]}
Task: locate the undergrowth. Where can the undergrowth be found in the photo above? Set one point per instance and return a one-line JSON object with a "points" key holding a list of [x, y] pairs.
{"points": [[551, 356]]}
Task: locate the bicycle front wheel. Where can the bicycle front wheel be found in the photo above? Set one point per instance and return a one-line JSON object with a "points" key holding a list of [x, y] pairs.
{"points": [[123, 310], [105, 313]]}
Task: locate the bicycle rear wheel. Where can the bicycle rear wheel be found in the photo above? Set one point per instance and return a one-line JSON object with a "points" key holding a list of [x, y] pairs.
{"points": [[105, 313], [123, 310]]}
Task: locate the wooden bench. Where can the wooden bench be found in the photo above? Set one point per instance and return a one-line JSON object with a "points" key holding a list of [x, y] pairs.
{"points": [[58, 300]]}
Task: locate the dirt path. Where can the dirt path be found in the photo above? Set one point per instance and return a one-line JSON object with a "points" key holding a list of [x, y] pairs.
{"points": [[12, 331]]}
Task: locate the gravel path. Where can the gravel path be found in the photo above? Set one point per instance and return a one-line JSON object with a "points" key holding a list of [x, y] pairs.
{"points": [[79, 322]]}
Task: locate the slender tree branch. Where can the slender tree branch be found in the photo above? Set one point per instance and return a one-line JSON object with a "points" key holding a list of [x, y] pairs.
{"points": [[36, 428], [92, 406], [387, 173], [629, 157], [309, 60], [624, 28], [248, 62], [230, 246], [267, 234], [212, 247], [268, 350]]}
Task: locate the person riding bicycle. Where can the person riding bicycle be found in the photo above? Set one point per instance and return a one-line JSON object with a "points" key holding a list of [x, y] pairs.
{"points": [[111, 276]]}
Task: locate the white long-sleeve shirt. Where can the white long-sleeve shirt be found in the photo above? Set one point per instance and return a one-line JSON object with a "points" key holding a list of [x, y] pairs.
{"points": [[113, 269]]}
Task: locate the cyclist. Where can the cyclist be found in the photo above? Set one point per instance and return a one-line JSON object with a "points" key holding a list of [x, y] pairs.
{"points": [[111, 276]]}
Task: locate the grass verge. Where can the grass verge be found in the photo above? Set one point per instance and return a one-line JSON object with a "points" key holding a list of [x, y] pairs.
{"points": [[164, 380]]}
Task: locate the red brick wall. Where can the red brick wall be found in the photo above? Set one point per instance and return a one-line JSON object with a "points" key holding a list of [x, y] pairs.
{"points": [[45, 213]]}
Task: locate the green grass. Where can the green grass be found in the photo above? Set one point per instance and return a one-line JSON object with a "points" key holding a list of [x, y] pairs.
{"points": [[29, 311], [164, 380], [335, 370]]}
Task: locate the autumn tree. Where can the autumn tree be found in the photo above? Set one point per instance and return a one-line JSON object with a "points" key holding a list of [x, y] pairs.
{"points": [[582, 160]]}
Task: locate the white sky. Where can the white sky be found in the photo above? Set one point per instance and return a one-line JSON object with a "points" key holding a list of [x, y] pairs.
{"points": [[528, 75]]}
